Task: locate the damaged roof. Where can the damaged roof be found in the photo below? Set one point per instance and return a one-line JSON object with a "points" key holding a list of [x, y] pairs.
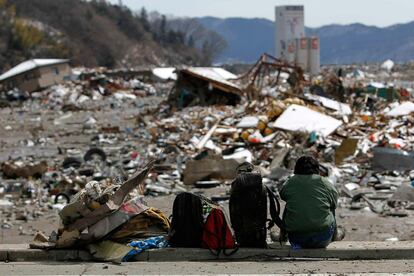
{"points": [[218, 77], [30, 65]]}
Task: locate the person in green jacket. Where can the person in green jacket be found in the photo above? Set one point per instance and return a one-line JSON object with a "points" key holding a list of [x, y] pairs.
{"points": [[309, 216]]}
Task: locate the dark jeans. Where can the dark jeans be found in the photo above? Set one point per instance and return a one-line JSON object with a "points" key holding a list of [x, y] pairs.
{"points": [[318, 240]]}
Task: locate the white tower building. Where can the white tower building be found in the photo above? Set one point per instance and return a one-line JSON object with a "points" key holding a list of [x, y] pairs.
{"points": [[290, 25], [291, 43]]}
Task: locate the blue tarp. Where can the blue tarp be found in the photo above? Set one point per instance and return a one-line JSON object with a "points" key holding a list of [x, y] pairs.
{"points": [[140, 246]]}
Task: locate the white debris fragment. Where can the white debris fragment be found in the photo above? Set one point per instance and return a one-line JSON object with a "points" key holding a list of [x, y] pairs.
{"points": [[167, 73], [248, 122], [401, 110], [343, 109], [5, 203], [300, 118], [388, 65]]}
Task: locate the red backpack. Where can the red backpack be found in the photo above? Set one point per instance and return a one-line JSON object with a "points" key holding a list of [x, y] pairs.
{"points": [[217, 235]]}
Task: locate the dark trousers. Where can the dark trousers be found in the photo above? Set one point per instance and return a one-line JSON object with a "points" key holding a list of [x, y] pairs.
{"points": [[317, 240]]}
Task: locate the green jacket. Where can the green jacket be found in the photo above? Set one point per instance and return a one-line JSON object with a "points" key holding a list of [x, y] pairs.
{"points": [[310, 200]]}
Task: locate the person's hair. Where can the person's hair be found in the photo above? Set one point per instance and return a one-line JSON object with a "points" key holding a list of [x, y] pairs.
{"points": [[307, 165], [245, 167]]}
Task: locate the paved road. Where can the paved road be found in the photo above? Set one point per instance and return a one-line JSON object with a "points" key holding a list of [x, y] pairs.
{"points": [[270, 267]]}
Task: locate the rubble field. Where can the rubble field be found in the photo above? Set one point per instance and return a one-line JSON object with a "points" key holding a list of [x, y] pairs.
{"points": [[106, 127]]}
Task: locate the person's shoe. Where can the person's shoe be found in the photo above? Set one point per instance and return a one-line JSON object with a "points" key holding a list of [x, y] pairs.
{"points": [[339, 234]]}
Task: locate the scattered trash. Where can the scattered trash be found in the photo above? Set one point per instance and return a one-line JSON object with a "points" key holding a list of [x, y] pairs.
{"points": [[210, 167], [70, 146], [345, 150], [20, 170]]}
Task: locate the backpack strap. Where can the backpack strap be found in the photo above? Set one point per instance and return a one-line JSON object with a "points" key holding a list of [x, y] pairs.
{"points": [[274, 207], [212, 251], [225, 227]]}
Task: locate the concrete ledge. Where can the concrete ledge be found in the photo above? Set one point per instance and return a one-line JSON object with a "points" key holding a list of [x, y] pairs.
{"points": [[337, 250], [22, 253]]}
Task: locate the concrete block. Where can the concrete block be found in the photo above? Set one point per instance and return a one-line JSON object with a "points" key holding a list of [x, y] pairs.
{"points": [[83, 255], [179, 254], [65, 255], [143, 257], [3, 255], [198, 254], [29, 255], [22, 252]]}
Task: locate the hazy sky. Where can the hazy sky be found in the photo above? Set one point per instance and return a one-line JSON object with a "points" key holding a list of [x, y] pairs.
{"points": [[317, 12]]}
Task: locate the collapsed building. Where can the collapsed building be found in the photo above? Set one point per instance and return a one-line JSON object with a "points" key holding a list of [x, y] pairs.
{"points": [[205, 86], [36, 74]]}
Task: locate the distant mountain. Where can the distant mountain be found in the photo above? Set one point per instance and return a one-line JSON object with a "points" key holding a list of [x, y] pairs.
{"points": [[361, 43], [247, 39]]}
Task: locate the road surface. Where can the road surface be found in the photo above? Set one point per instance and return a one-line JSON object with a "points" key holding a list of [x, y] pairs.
{"points": [[169, 268]]}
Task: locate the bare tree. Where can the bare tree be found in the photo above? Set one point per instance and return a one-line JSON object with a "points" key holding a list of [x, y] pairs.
{"points": [[209, 42]]}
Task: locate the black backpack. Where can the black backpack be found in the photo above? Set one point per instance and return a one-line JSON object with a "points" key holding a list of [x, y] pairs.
{"points": [[248, 210], [187, 221]]}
